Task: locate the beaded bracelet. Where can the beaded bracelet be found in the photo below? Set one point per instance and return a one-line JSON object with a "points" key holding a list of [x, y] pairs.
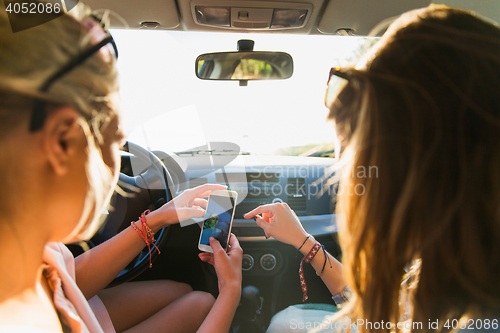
{"points": [[146, 234]]}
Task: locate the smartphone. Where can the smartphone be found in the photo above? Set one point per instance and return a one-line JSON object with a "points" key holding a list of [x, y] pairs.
{"points": [[218, 219]]}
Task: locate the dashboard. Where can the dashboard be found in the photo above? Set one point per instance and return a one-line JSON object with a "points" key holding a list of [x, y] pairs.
{"points": [[302, 182], [306, 184]]}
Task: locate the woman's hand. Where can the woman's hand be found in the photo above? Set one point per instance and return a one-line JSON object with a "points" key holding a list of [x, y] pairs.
{"points": [[189, 204], [279, 221], [227, 265], [228, 268]]}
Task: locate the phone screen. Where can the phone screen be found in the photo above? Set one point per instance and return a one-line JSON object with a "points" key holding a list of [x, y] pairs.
{"points": [[217, 221]]}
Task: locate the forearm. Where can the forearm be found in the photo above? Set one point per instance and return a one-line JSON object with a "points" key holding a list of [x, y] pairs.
{"points": [[220, 317], [96, 268], [331, 276]]}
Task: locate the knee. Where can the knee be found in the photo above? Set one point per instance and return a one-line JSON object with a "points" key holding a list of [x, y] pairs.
{"points": [[204, 301], [183, 288], [171, 289]]}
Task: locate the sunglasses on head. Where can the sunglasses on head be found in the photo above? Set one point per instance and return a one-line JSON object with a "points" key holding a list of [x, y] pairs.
{"points": [[337, 81], [101, 37]]}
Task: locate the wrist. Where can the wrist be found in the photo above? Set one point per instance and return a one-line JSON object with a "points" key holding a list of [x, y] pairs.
{"points": [[300, 241], [232, 290], [154, 221], [308, 245]]}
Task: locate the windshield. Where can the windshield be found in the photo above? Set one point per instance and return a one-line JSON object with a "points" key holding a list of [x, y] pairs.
{"points": [[166, 107]]}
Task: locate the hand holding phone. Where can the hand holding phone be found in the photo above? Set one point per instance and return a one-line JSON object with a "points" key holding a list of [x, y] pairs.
{"points": [[218, 219], [227, 265], [229, 276]]}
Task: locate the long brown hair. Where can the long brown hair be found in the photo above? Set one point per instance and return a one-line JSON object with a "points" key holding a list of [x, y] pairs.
{"points": [[425, 111]]}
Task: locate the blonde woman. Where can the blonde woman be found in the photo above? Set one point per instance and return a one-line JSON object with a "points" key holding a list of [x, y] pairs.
{"points": [[59, 160], [422, 244]]}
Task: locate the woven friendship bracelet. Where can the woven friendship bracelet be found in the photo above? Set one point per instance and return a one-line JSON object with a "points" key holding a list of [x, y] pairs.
{"points": [[307, 259]]}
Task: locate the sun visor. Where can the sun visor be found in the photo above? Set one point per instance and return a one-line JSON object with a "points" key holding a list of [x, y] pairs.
{"points": [[359, 17], [157, 14]]}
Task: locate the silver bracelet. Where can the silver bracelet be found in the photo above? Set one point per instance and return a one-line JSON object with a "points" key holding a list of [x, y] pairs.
{"points": [[343, 296]]}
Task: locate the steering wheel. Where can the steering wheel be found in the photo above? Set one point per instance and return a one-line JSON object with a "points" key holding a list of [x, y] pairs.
{"points": [[145, 181]]}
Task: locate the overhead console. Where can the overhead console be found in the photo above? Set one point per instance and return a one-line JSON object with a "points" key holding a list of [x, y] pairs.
{"points": [[251, 14]]}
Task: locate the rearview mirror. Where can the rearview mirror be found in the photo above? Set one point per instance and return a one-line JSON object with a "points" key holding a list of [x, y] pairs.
{"points": [[254, 65]]}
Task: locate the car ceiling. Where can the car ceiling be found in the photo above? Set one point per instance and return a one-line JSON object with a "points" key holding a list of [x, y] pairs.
{"points": [[324, 16]]}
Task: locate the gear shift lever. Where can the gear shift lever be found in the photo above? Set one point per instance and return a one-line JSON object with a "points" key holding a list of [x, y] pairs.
{"points": [[250, 302]]}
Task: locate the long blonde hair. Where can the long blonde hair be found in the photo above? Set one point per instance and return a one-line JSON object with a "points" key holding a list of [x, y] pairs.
{"points": [[27, 59], [424, 110]]}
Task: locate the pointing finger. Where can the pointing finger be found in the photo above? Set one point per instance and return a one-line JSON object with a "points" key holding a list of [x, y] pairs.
{"points": [[261, 209], [203, 189]]}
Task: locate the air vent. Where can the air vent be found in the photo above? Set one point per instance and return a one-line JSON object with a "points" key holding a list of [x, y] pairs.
{"points": [[193, 182], [297, 194]]}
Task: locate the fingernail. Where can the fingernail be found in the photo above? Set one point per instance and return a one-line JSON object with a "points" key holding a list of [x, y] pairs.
{"points": [[211, 239]]}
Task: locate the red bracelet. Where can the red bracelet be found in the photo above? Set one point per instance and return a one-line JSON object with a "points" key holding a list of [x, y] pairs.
{"points": [[307, 259], [146, 234]]}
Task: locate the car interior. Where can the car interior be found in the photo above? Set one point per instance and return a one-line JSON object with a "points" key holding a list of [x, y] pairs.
{"points": [[232, 92]]}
